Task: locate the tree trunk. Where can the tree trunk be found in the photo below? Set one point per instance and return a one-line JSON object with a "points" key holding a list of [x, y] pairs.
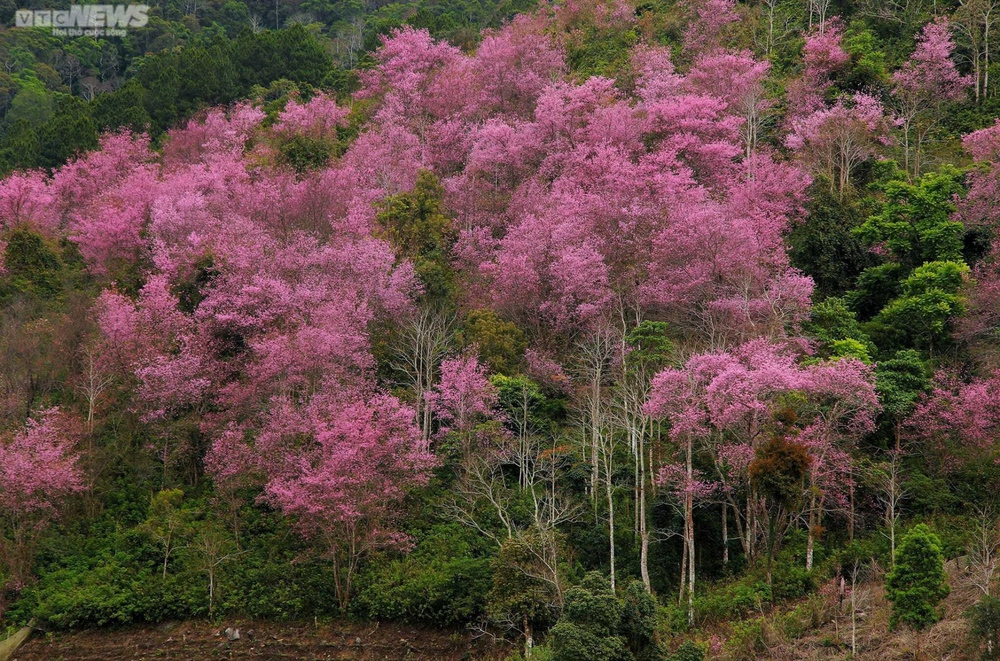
{"points": [[529, 638], [725, 535], [690, 517], [811, 536], [643, 529], [689, 530], [611, 525]]}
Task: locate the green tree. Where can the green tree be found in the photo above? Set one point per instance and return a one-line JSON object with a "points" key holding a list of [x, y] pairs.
{"points": [[588, 628], [915, 222], [519, 599], [836, 326], [500, 343], [122, 108], [899, 381], [921, 317], [649, 345], [825, 246], [169, 522], [33, 268], [918, 583], [778, 475], [638, 624], [417, 227]]}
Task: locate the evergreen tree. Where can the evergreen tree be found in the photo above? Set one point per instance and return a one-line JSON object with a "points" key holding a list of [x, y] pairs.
{"points": [[918, 583]]}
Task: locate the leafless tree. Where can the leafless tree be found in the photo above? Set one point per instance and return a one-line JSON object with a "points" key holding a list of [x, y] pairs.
{"points": [[890, 495], [984, 550], [975, 21], [422, 343]]}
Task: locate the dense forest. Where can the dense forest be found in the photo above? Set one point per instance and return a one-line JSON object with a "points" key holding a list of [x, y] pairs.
{"points": [[610, 329]]}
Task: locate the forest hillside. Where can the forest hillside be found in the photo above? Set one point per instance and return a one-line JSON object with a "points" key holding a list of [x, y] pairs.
{"points": [[600, 329]]}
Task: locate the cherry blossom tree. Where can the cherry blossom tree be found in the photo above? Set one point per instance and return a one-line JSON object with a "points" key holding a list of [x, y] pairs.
{"points": [[462, 398], [835, 141], [823, 57], [923, 87], [722, 406], [26, 198], [957, 421], [345, 486], [38, 472]]}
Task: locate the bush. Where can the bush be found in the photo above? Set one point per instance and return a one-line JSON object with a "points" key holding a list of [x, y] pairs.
{"points": [[587, 630], [734, 600], [440, 583], [688, 651], [747, 639]]}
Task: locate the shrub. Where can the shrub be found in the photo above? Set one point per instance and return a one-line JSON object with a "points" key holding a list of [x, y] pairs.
{"points": [[440, 583], [587, 630]]}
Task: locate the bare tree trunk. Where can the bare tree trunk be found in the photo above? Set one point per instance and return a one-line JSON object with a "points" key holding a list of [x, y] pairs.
{"points": [[725, 534], [689, 527], [611, 525], [643, 527], [811, 535]]}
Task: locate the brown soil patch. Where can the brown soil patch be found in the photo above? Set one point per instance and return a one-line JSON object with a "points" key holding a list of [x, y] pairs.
{"points": [[260, 640]]}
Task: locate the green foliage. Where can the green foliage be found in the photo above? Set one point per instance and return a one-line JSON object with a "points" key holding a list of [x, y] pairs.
{"points": [[875, 287], [517, 595], [500, 343], [921, 317], [417, 227], [164, 86], [984, 632], [525, 405], [899, 381], [915, 222], [638, 623], [650, 346], [36, 268], [825, 246], [443, 582], [589, 625], [688, 651], [303, 153], [600, 52], [868, 59], [836, 326], [109, 571], [746, 640], [918, 582]]}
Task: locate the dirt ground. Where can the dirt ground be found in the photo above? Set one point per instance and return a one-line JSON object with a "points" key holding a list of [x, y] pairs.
{"points": [[259, 640]]}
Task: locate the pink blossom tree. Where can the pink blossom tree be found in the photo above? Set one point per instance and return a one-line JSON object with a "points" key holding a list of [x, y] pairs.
{"points": [[26, 198], [38, 472], [823, 57], [835, 141], [958, 421], [345, 485], [722, 406], [739, 80], [462, 398], [708, 19], [923, 87]]}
